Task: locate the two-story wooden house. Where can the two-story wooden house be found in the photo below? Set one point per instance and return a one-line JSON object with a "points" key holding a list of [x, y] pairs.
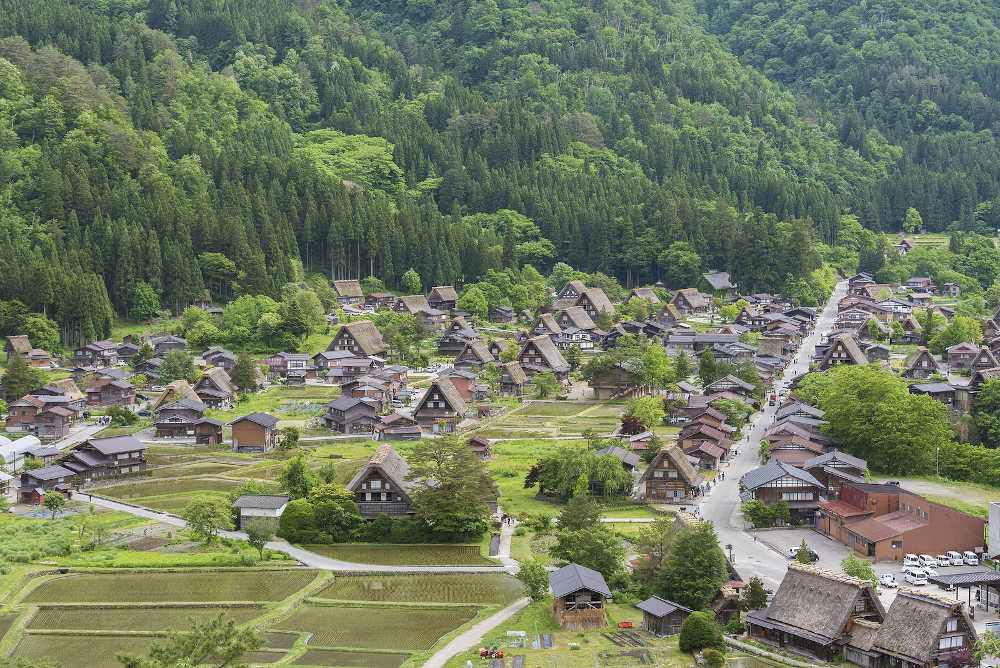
{"points": [[921, 364], [691, 301], [777, 480], [381, 485], [843, 350], [96, 354], [595, 302], [569, 295], [579, 595], [350, 415], [101, 458], [178, 418], [109, 391], [441, 408], [475, 357], [960, 355], [164, 344], [443, 298], [36, 482], [512, 379], [540, 354], [216, 389], [670, 478], [256, 432]]}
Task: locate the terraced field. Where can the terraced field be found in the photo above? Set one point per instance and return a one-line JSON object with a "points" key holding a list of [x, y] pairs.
{"points": [[202, 586], [82, 650], [483, 589], [176, 486], [132, 619], [344, 659], [375, 628]]}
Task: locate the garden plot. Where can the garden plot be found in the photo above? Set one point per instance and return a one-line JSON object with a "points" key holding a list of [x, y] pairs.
{"points": [[277, 640], [553, 409], [6, 621], [375, 628], [81, 650], [153, 620], [406, 555], [172, 503], [193, 469], [483, 589], [195, 586], [346, 659]]}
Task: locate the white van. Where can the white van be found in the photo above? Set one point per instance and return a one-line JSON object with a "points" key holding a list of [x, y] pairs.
{"points": [[915, 576], [910, 560], [927, 560], [955, 557], [970, 558]]}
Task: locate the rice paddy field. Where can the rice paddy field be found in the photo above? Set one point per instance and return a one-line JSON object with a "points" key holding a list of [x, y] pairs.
{"points": [[406, 555], [196, 586], [375, 628], [171, 503], [483, 589], [153, 620], [346, 659], [81, 650]]}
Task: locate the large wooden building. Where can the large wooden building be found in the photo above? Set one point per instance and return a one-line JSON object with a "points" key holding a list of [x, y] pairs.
{"points": [[670, 478]]}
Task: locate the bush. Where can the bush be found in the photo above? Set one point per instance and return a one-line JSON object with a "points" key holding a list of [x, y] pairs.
{"points": [[520, 531], [734, 627], [23, 540], [699, 631], [714, 658]]}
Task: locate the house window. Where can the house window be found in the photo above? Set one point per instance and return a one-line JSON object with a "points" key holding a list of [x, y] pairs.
{"points": [[952, 625], [671, 474], [657, 474], [376, 484], [951, 642], [897, 543]]}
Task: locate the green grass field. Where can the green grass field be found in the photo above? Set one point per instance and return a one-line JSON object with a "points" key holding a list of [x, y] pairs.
{"points": [[485, 588], [345, 659], [553, 409], [406, 555], [132, 619], [276, 640], [375, 628], [82, 650], [196, 586], [172, 503], [174, 486]]}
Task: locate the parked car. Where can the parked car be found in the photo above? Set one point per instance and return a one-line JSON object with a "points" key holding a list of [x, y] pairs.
{"points": [[943, 560], [144, 412], [927, 560], [929, 571], [910, 560], [970, 558], [158, 388], [915, 576], [955, 558], [887, 580], [793, 552], [142, 397]]}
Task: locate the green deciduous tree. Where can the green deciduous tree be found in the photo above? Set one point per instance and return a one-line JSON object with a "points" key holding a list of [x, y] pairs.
{"points": [[145, 302], [244, 374], [595, 546], [858, 568], [207, 516], [648, 410], [53, 502], [450, 486], [411, 282], [545, 383], [535, 578], [257, 537], [296, 478], [754, 595], [695, 569]]}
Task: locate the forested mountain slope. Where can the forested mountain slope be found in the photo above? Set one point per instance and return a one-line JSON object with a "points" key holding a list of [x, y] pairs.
{"points": [[922, 75], [214, 143]]}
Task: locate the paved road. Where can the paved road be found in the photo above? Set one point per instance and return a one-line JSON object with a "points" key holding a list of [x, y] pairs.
{"points": [[722, 505], [473, 637], [78, 436]]}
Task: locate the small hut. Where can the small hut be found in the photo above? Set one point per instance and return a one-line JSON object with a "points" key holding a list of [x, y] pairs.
{"points": [[662, 617], [579, 598]]}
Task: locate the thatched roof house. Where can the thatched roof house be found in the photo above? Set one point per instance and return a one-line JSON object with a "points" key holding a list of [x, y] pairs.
{"points": [[360, 338], [813, 610], [921, 627], [381, 485], [579, 594]]}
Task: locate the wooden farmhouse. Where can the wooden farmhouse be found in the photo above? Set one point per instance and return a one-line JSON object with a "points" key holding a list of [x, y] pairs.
{"points": [[475, 356], [512, 379], [100, 458], [381, 485], [670, 477], [579, 596], [646, 294], [540, 354], [595, 302], [216, 389], [843, 350], [348, 292], [359, 338], [262, 511], [921, 364], [443, 298], [569, 295], [440, 405], [690, 301]]}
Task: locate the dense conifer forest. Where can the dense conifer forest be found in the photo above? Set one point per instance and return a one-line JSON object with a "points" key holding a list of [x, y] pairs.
{"points": [[221, 144]]}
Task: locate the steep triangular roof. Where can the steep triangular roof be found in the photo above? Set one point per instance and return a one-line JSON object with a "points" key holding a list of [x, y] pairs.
{"points": [[366, 335], [598, 299], [548, 321], [218, 377], [915, 621], [19, 343], [850, 346], [175, 391], [553, 358], [348, 288], [476, 350], [390, 463], [676, 458], [515, 372], [450, 394], [414, 303], [820, 601], [579, 318], [443, 293], [986, 356], [919, 354]]}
